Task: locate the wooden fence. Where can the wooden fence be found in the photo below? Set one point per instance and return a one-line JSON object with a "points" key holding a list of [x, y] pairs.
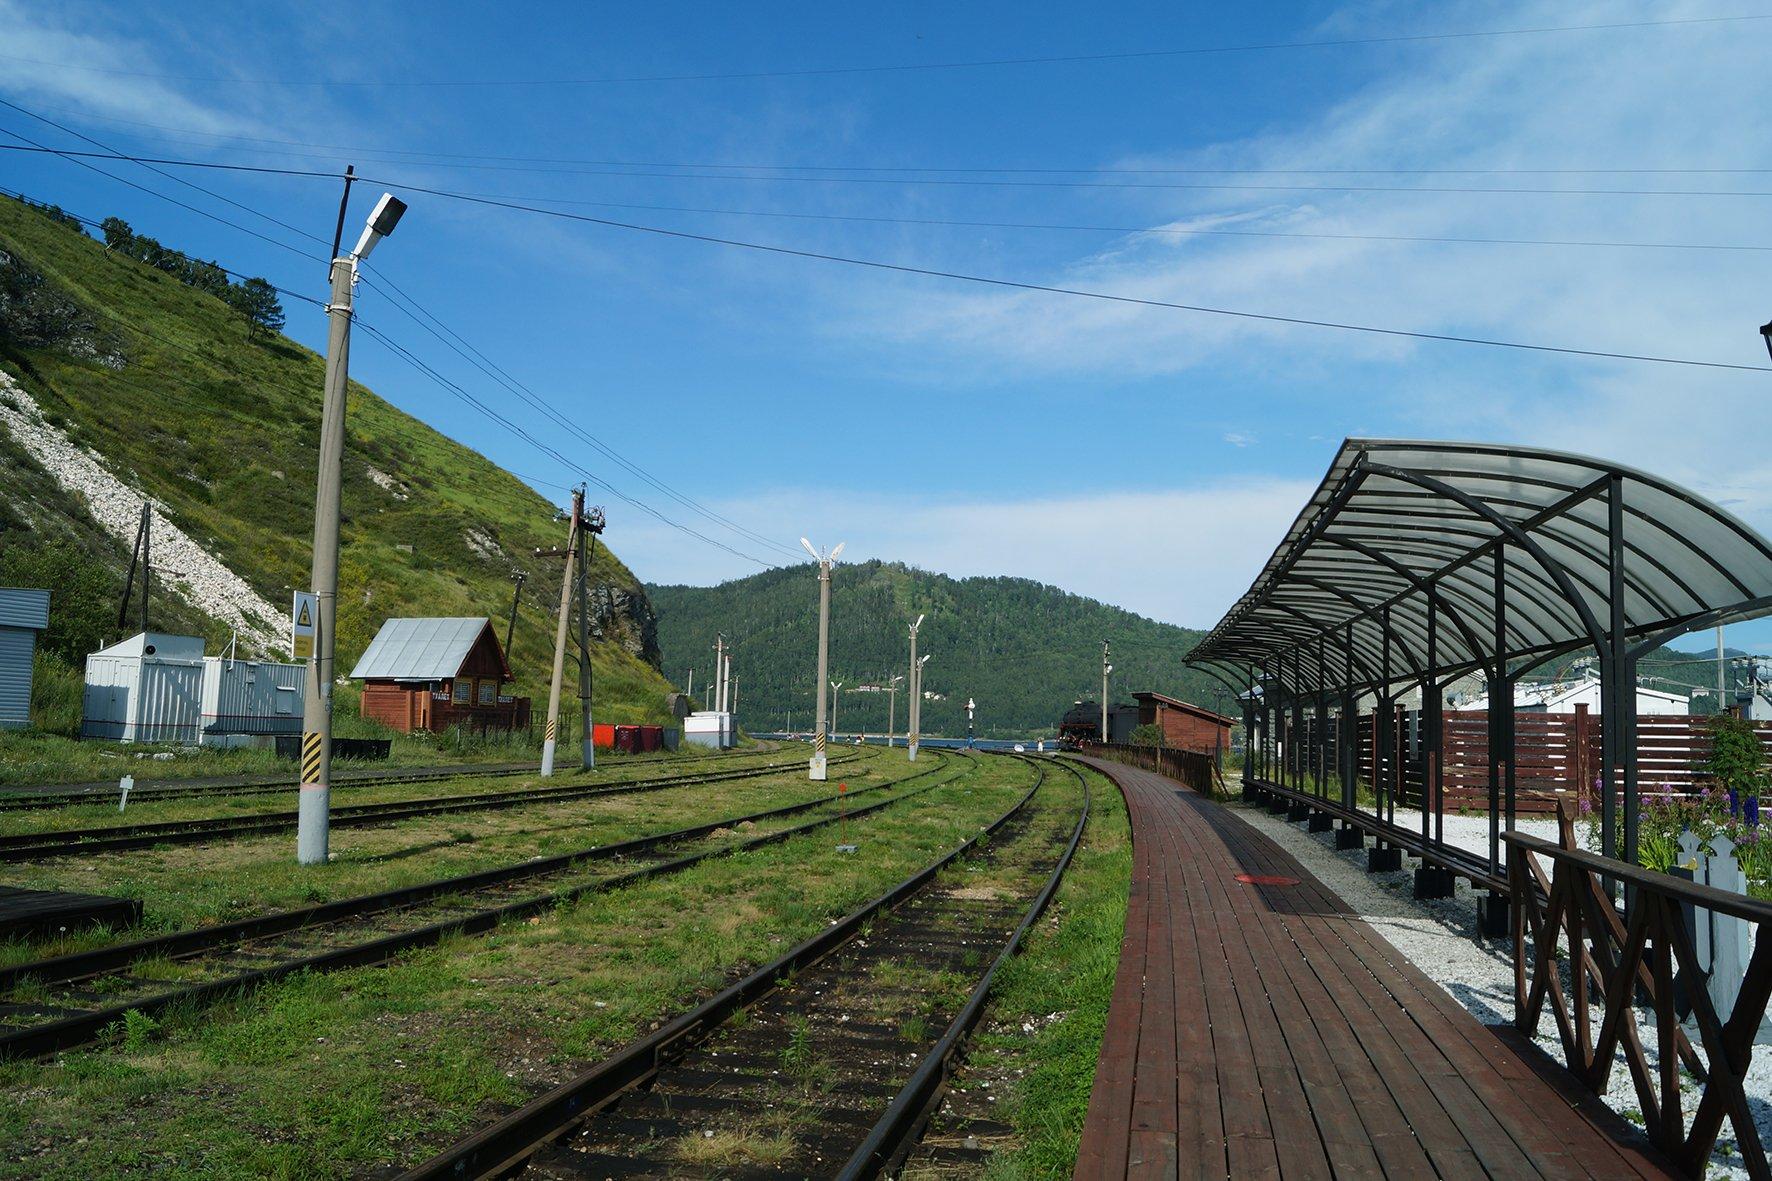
{"points": [[1556, 755], [1196, 769]]}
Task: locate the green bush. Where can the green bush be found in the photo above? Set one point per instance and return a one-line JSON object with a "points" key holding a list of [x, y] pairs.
{"points": [[57, 695], [1737, 761], [1149, 734]]}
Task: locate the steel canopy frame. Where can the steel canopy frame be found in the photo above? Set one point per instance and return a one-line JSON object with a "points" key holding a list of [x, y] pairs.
{"points": [[1418, 562]]}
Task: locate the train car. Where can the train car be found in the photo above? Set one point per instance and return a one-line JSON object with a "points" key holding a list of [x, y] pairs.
{"points": [[1080, 726]]}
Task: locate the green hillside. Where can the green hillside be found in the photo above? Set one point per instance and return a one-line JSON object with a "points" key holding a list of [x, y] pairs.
{"points": [[178, 395], [1024, 651]]}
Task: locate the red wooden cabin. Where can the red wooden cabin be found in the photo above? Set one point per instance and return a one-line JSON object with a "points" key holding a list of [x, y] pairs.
{"points": [[435, 674], [1186, 726]]}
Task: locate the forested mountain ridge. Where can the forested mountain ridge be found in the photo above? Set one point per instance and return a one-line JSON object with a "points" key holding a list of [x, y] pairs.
{"points": [[1023, 650]]}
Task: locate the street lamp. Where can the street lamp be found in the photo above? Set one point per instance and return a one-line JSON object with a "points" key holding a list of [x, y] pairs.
{"points": [[1106, 670], [315, 798], [836, 687], [970, 706], [816, 770], [916, 690]]}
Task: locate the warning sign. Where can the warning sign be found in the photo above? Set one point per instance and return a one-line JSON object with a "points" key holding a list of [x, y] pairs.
{"points": [[304, 615]]}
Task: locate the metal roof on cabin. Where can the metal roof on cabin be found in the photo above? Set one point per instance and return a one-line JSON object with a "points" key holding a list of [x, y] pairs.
{"points": [[22, 607], [419, 649]]}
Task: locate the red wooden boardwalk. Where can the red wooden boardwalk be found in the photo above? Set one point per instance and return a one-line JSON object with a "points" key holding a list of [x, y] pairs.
{"points": [[1263, 1030]]}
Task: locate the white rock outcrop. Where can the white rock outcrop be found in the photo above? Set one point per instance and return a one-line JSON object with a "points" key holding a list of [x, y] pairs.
{"points": [[199, 577]]}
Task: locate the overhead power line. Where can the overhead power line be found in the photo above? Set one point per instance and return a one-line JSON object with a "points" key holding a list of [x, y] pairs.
{"points": [[975, 182], [1019, 285], [909, 67], [424, 156]]}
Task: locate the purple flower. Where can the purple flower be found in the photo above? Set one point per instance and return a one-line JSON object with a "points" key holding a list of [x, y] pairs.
{"points": [[1753, 813], [1585, 806]]}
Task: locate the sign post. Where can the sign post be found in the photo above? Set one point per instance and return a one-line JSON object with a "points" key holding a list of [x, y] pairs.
{"points": [[302, 614]]}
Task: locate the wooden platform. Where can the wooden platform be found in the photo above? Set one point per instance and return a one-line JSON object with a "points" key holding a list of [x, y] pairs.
{"points": [[1262, 1030], [45, 912]]}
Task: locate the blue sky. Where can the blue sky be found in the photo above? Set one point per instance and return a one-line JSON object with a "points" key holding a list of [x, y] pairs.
{"points": [[1147, 457]]}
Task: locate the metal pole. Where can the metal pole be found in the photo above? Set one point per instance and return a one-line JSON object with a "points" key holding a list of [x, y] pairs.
{"points": [[1106, 668], [1721, 686], [916, 690], [835, 685], [891, 710], [1500, 698], [553, 728], [312, 837], [148, 566], [587, 532], [817, 770]]}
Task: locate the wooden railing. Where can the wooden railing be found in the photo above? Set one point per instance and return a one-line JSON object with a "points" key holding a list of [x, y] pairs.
{"points": [[1617, 962], [1197, 769]]}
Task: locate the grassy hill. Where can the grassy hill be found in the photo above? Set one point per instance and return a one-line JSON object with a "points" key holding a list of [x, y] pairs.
{"points": [[167, 385], [1023, 650]]}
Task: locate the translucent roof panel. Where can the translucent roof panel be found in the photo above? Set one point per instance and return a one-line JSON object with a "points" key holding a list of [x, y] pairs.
{"points": [[1403, 537]]}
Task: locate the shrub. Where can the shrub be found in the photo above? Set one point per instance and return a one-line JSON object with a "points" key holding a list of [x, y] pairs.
{"points": [[1149, 734], [1737, 761]]}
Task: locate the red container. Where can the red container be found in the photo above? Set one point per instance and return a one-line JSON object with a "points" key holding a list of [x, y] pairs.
{"points": [[602, 736], [651, 738], [627, 739]]}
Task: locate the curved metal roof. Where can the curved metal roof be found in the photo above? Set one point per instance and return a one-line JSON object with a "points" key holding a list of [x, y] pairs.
{"points": [[1397, 525]]}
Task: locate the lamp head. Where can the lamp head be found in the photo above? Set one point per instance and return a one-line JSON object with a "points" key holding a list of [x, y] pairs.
{"points": [[382, 220], [919, 622], [807, 546], [838, 550]]}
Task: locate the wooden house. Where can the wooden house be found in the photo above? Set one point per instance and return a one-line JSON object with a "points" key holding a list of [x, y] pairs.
{"points": [[1186, 726], [437, 674]]}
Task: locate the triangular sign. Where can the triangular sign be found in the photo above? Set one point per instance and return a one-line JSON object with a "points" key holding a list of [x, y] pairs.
{"points": [[302, 620]]}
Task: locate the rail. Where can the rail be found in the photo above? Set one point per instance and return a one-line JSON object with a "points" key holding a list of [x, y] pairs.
{"points": [[1644, 957]]}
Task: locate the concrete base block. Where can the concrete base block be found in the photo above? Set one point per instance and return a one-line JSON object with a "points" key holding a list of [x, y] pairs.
{"points": [[1383, 858], [1433, 881], [1492, 916]]}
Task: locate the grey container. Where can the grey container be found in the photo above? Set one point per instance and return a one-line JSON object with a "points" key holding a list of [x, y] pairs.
{"points": [[251, 697], [145, 689]]}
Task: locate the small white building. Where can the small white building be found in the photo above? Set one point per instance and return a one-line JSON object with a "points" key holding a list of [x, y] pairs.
{"points": [[709, 728], [1561, 697], [155, 687], [247, 698], [147, 688]]}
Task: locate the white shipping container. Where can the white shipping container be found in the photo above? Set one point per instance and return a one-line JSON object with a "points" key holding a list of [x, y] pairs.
{"points": [[251, 697], [144, 689]]}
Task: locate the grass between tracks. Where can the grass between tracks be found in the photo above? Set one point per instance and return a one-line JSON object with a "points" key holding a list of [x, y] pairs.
{"points": [[1037, 1046], [334, 1075], [101, 812], [185, 886]]}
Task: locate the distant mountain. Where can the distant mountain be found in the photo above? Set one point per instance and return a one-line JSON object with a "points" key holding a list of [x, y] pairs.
{"points": [[1023, 650], [122, 378]]}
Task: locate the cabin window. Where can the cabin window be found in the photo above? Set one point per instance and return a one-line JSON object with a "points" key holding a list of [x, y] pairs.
{"points": [[488, 692], [464, 692]]}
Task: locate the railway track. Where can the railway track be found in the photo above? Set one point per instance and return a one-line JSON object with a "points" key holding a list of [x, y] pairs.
{"points": [[21, 799], [826, 1062], [53, 1004], [87, 842]]}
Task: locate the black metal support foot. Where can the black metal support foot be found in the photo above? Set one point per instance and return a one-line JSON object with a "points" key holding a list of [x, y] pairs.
{"points": [[1492, 916], [1350, 836], [1433, 881], [1321, 822], [1383, 858], [1298, 811]]}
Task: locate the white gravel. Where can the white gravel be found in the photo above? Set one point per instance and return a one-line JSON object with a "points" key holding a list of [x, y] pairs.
{"points": [[1440, 937], [197, 575]]}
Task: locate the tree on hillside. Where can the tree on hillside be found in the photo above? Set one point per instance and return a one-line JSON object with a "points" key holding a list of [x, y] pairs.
{"points": [[257, 300], [118, 235]]}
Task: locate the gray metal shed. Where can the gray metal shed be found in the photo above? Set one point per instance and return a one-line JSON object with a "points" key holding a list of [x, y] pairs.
{"points": [[23, 613]]}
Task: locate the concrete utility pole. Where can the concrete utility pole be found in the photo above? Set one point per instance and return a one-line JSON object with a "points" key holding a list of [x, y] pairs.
{"points": [[720, 673], [892, 707], [816, 770], [315, 798], [1721, 687], [914, 722], [560, 627], [1106, 669], [517, 578], [836, 687]]}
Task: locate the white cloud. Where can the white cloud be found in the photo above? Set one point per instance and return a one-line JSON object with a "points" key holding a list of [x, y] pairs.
{"points": [[112, 84], [1180, 555]]}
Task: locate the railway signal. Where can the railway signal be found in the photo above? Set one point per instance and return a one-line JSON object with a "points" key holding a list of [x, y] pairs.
{"points": [[315, 796]]}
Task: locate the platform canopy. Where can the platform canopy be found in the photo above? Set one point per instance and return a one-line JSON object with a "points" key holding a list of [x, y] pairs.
{"points": [[1419, 558]]}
